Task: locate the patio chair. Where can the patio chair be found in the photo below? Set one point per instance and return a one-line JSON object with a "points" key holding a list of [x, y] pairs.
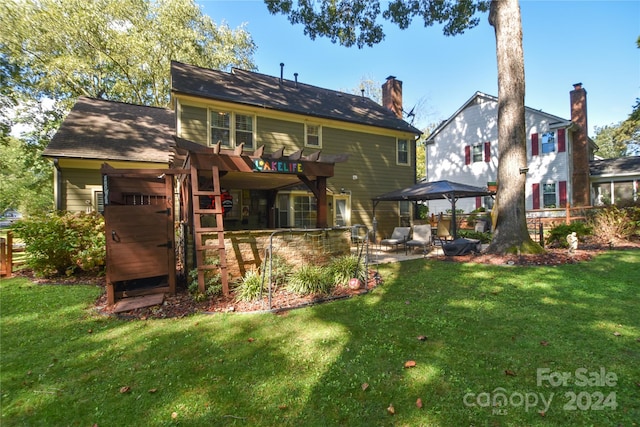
{"points": [[443, 233], [422, 238], [358, 233], [399, 237]]}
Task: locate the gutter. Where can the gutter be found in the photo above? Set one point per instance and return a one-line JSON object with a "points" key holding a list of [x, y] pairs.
{"points": [[57, 185]]}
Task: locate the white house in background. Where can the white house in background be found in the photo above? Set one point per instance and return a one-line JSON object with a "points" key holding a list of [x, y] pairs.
{"points": [[464, 148]]}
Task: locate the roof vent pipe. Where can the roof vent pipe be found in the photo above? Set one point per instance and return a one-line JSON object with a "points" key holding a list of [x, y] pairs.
{"points": [[296, 77], [281, 72]]}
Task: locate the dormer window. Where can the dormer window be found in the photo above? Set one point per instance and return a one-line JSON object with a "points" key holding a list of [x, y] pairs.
{"points": [[312, 135]]}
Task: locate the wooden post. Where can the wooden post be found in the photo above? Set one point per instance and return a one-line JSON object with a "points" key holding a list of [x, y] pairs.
{"points": [[3, 261], [9, 258], [567, 216]]}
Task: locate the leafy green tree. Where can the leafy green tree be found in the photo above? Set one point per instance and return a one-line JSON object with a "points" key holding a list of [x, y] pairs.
{"points": [[355, 22], [621, 139], [114, 49], [118, 50]]}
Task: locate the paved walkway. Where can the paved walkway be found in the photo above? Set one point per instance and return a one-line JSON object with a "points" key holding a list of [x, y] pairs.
{"points": [[382, 256]]}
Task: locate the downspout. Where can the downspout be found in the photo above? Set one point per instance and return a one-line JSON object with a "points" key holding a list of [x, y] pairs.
{"points": [[57, 185]]}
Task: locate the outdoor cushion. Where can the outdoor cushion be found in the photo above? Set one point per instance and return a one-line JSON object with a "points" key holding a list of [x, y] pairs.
{"points": [[399, 236], [421, 237]]}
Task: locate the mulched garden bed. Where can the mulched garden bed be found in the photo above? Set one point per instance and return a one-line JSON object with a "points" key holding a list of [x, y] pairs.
{"points": [[183, 304]]}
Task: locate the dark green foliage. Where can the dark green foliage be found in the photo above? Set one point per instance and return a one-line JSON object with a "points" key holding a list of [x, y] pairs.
{"points": [[478, 214], [63, 242], [280, 270], [251, 287], [557, 236], [311, 279], [212, 281], [471, 234], [343, 268], [357, 22]]}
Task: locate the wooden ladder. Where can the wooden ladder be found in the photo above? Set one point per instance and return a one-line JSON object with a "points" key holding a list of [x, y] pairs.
{"points": [[200, 231]]}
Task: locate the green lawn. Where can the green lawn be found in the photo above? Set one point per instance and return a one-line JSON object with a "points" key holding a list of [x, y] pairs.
{"points": [[492, 332]]}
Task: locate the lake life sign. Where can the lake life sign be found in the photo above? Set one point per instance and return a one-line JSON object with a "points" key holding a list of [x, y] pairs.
{"points": [[280, 166]]}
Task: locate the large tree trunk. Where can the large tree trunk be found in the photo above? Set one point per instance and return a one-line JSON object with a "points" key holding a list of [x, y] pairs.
{"points": [[509, 213]]}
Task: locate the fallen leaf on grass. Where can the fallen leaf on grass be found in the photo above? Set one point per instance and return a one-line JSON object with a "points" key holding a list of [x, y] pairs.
{"points": [[410, 364], [251, 339], [365, 386], [509, 372], [419, 403], [125, 389], [282, 407], [544, 343], [174, 415], [618, 334], [422, 338], [153, 390], [391, 409]]}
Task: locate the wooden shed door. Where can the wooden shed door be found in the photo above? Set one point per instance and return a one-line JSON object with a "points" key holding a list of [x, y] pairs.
{"points": [[138, 242], [139, 228]]}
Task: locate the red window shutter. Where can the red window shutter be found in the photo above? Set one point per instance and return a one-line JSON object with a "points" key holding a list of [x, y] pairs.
{"points": [[487, 151], [535, 190], [563, 193], [467, 155], [478, 202], [534, 144], [562, 142]]}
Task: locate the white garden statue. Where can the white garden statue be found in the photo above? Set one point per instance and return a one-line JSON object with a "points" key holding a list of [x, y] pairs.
{"points": [[572, 240]]}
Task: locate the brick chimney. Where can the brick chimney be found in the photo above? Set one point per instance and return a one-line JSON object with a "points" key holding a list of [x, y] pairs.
{"points": [[579, 147], [392, 95]]}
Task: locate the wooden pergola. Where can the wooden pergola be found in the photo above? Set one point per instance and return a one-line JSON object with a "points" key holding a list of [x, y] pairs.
{"points": [[239, 170]]}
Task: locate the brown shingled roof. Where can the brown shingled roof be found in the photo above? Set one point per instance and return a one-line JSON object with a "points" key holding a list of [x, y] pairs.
{"points": [[255, 89], [108, 130]]}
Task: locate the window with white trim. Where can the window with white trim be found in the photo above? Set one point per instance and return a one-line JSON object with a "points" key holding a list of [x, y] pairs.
{"points": [[549, 195], [98, 200], [232, 129], [548, 142], [477, 154], [312, 135], [402, 152], [244, 130], [304, 211]]}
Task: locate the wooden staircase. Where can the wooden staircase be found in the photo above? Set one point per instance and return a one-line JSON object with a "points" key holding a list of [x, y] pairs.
{"points": [[200, 231]]}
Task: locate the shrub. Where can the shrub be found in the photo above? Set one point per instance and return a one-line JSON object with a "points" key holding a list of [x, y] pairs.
{"points": [[471, 234], [344, 268], [557, 236], [281, 270], [251, 287], [63, 242], [611, 223], [212, 281], [478, 214], [311, 279]]}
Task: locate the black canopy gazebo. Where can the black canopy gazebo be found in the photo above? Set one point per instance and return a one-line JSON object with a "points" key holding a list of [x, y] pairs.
{"points": [[425, 190]]}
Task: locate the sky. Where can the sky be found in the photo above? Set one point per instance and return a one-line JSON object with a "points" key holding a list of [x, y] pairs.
{"points": [[565, 42]]}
